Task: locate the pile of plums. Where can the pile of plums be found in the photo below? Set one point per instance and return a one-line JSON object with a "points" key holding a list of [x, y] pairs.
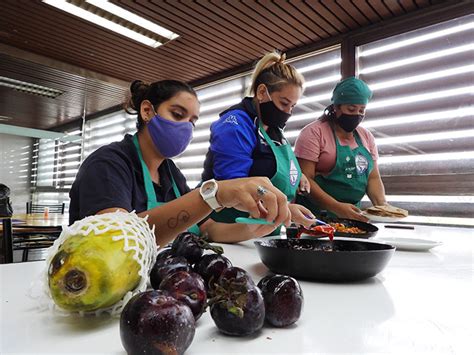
{"points": [[185, 282]]}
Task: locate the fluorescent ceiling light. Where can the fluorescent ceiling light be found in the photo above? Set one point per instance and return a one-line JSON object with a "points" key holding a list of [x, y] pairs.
{"points": [[132, 17], [101, 21], [29, 88], [419, 58], [418, 39]]}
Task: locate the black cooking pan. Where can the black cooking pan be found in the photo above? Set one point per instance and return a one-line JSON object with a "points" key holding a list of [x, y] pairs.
{"points": [[370, 229], [323, 260]]}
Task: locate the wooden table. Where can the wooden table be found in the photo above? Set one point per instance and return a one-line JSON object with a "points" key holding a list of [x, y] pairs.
{"points": [[33, 223]]}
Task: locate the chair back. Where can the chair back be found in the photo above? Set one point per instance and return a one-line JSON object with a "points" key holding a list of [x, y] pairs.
{"points": [[39, 208]]}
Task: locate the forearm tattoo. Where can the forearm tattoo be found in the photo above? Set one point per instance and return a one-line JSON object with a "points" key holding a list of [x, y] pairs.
{"points": [[183, 217]]}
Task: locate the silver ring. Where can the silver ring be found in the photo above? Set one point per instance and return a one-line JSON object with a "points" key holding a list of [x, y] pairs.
{"points": [[261, 190]]}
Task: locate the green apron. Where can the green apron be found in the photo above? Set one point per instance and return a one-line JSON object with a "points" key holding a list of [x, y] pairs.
{"points": [[286, 179], [347, 181], [150, 190]]}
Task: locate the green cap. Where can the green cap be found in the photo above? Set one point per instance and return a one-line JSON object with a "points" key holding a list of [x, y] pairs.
{"points": [[351, 91]]}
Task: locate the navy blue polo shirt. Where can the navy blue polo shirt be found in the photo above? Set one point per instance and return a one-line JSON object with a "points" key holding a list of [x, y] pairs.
{"points": [[237, 149], [112, 177]]}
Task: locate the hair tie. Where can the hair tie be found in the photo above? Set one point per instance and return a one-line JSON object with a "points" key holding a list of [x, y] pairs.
{"points": [[282, 58]]}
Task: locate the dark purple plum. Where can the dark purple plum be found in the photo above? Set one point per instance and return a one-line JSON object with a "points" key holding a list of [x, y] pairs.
{"points": [[211, 266], [156, 323], [167, 266], [192, 246], [235, 275], [164, 253], [189, 288], [239, 310], [283, 299]]}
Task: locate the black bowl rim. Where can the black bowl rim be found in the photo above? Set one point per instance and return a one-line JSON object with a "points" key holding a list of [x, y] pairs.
{"points": [[259, 243]]}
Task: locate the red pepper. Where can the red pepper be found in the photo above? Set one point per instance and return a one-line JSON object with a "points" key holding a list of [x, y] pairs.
{"points": [[317, 230]]}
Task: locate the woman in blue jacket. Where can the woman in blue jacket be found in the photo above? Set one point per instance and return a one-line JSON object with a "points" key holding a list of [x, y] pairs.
{"points": [[248, 138]]}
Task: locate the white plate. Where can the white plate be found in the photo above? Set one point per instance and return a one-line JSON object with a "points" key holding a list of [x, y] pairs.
{"points": [[410, 243], [381, 219]]}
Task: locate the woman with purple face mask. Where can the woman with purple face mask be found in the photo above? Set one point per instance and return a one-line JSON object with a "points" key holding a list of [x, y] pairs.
{"points": [[137, 173], [248, 140], [339, 156]]}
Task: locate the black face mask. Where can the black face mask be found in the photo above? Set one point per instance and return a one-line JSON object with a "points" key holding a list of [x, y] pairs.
{"points": [[272, 116], [349, 122]]}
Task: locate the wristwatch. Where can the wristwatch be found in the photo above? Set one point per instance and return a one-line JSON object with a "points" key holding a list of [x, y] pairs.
{"points": [[208, 193]]}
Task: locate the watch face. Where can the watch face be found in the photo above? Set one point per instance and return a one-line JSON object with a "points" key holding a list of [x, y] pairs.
{"points": [[208, 188]]}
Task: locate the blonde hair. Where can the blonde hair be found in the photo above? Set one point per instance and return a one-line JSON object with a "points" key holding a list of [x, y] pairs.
{"points": [[274, 73]]}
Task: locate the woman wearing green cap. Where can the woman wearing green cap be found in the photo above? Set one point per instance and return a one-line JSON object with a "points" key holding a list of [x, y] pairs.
{"points": [[340, 157]]}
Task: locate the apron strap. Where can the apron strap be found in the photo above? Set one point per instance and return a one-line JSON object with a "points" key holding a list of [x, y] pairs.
{"points": [[266, 136], [150, 190], [173, 182]]}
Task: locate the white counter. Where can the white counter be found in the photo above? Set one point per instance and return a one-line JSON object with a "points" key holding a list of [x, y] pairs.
{"points": [[421, 303]]}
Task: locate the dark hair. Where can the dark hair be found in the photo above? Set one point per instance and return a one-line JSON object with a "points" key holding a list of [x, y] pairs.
{"points": [[329, 114], [157, 93]]}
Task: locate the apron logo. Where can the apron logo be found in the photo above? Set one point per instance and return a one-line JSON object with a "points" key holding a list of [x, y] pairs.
{"points": [[293, 173], [362, 164]]}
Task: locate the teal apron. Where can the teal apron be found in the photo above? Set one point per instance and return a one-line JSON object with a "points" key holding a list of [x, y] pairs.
{"points": [[150, 190], [347, 181], [286, 179]]}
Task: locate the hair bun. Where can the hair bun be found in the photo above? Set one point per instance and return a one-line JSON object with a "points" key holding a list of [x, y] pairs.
{"points": [[135, 85]]}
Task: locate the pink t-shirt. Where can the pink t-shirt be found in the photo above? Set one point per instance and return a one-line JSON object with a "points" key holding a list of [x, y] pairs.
{"points": [[316, 143]]}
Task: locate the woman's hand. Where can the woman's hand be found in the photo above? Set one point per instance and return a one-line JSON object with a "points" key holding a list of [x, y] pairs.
{"points": [[304, 187], [257, 196], [348, 210], [301, 215]]}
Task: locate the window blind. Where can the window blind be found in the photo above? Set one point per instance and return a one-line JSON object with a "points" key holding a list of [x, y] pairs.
{"points": [[55, 165], [422, 116], [15, 169], [107, 129]]}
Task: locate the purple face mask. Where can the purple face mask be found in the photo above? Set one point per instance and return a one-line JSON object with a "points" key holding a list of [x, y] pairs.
{"points": [[169, 137]]}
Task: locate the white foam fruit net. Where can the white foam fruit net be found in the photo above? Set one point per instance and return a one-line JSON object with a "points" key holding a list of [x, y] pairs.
{"points": [[136, 236]]}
